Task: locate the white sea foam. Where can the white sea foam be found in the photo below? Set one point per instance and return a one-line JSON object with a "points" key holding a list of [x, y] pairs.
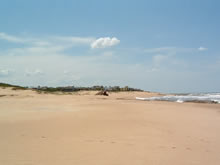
{"points": [[207, 97]]}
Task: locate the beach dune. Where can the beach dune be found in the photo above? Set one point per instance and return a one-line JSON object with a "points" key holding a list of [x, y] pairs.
{"points": [[82, 128]]}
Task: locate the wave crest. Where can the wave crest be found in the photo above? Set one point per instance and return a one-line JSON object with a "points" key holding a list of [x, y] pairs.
{"points": [[201, 98]]}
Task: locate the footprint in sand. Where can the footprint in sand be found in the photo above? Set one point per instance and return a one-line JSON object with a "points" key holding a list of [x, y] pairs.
{"points": [[100, 141], [188, 148], [89, 140]]}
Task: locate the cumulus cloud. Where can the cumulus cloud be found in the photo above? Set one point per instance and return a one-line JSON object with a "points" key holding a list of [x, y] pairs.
{"points": [[202, 48], [51, 45], [105, 42], [59, 65]]}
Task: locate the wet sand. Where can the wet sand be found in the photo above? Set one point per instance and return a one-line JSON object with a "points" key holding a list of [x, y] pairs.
{"points": [[84, 129]]}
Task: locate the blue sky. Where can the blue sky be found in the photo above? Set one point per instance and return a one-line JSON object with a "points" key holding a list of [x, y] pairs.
{"points": [[156, 45]]}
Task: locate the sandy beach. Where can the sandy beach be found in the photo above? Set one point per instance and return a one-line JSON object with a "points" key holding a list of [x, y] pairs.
{"points": [[84, 129]]}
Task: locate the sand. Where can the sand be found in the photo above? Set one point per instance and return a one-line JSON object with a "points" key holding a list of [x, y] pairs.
{"points": [[84, 129]]}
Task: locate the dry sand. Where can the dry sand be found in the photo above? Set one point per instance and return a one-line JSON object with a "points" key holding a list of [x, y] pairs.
{"points": [[84, 129]]}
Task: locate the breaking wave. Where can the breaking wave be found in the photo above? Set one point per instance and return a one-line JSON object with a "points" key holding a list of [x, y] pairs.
{"points": [[202, 98]]}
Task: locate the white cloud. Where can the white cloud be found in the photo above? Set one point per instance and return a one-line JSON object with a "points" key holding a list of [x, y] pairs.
{"points": [[57, 67], [10, 38], [167, 61], [105, 42], [51, 45], [76, 40], [37, 50], [173, 50], [42, 43], [67, 41], [161, 50], [108, 54], [91, 70], [158, 59], [66, 72], [202, 48], [5, 72], [158, 62], [34, 72]]}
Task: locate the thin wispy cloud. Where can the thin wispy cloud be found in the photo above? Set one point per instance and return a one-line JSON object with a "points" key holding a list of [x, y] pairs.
{"points": [[52, 56], [202, 48], [74, 40], [173, 51], [46, 41], [133, 49], [158, 59], [5, 72], [50, 45], [11, 38], [161, 50], [62, 40], [34, 72], [84, 61], [170, 50]]}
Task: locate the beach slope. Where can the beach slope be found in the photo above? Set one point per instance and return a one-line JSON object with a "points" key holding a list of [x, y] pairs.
{"points": [[82, 128]]}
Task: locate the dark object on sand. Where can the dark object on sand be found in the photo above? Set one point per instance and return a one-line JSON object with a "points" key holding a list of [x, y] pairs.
{"points": [[104, 93]]}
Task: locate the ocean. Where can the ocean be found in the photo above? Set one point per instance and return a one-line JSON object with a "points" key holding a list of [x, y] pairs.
{"points": [[180, 98]]}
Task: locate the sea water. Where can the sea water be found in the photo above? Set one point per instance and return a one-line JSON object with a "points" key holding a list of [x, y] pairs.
{"points": [[180, 98]]}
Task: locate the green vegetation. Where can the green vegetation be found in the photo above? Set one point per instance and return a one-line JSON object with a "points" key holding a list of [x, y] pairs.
{"points": [[67, 89], [94, 88], [14, 87], [5, 85]]}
